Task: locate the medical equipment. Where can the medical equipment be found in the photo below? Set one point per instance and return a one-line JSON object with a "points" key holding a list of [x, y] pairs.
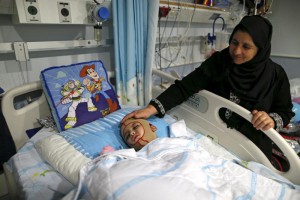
{"points": [[212, 37], [203, 14], [101, 14], [56, 12], [42, 12]]}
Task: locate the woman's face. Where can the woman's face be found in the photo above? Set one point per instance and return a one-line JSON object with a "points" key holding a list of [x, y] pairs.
{"points": [[242, 48]]}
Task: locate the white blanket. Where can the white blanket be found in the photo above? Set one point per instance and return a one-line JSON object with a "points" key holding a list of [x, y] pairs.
{"points": [[174, 168]]}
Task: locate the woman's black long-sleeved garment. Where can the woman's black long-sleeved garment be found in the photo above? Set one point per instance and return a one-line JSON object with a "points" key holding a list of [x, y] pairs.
{"points": [[206, 77], [257, 84], [214, 77]]}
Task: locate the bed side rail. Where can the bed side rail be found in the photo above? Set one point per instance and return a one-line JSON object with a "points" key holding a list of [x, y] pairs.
{"points": [[201, 114], [20, 120]]}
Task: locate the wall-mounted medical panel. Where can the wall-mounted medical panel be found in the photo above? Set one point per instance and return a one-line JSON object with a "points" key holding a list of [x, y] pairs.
{"points": [[55, 11], [190, 12], [64, 12], [32, 11]]}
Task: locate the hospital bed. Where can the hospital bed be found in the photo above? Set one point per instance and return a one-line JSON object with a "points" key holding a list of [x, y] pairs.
{"points": [[200, 113]]}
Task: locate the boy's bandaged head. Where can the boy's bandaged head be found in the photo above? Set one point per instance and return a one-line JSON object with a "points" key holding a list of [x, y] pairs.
{"points": [[138, 132]]}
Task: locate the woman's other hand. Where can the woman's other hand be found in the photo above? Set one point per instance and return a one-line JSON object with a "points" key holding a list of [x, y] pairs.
{"points": [[262, 121], [141, 114]]}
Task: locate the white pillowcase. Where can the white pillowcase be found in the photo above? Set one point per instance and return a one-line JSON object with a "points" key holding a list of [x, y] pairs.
{"points": [[62, 156]]}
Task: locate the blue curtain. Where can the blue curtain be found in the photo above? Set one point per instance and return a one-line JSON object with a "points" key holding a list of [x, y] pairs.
{"points": [[135, 25]]}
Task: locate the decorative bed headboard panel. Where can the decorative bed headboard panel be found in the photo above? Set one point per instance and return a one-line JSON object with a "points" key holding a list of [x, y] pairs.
{"points": [[20, 120]]}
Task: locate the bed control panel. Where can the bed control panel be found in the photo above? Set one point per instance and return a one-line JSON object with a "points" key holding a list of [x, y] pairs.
{"points": [[191, 111], [197, 102]]}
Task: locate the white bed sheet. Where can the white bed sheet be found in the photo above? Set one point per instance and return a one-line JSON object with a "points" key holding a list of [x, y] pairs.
{"points": [[35, 178], [176, 168]]}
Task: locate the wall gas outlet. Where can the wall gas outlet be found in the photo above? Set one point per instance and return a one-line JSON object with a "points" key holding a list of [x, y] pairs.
{"points": [[64, 12], [32, 11]]}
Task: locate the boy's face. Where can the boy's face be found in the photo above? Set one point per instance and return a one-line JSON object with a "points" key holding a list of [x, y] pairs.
{"points": [[137, 132]]}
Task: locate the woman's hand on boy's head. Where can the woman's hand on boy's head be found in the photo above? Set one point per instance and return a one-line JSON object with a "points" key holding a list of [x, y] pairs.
{"points": [[141, 114], [129, 115]]}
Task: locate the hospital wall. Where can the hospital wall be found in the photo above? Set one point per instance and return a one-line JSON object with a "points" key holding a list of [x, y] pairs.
{"points": [[284, 16], [285, 45], [14, 73], [286, 41]]}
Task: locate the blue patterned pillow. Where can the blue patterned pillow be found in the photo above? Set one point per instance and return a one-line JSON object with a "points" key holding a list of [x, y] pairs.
{"points": [[78, 93], [90, 138]]}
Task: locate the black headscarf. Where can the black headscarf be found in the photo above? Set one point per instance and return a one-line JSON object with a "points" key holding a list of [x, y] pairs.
{"points": [[252, 81]]}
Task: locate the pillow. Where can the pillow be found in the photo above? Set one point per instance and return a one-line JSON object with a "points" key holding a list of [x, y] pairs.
{"points": [[62, 156], [90, 138], [78, 93], [64, 151]]}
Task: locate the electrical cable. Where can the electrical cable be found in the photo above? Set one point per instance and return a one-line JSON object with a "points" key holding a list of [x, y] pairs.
{"points": [[174, 22], [182, 37], [166, 21], [160, 38], [170, 48], [170, 51]]}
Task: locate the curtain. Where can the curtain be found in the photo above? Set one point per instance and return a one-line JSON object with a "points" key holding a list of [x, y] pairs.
{"points": [[135, 25]]}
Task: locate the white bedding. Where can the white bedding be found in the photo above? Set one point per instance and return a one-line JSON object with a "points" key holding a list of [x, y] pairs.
{"points": [[35, 178], [64, 157], [188, 165], [175, 168]]}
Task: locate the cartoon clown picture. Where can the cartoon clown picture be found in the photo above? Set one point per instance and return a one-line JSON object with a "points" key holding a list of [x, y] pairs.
{"points": [[72, 93]]}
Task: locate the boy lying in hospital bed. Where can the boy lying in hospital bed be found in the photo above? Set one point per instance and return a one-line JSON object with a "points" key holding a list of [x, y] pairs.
{"points": [[175, 168], [136, 133]]}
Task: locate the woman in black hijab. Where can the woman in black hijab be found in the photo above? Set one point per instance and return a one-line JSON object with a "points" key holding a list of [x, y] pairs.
{"points": [[242, 73]]}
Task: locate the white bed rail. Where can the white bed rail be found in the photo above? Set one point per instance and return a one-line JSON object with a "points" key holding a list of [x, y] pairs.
{"points": [[20, 120], [201, 113]]}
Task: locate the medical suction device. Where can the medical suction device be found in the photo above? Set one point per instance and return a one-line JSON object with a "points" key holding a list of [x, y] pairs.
{"points": [[101, 13]]}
